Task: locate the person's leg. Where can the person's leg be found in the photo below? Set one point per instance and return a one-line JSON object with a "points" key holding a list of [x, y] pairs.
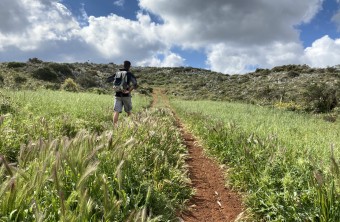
{"points": [[127, 105], [115, 118], [118, 107]]}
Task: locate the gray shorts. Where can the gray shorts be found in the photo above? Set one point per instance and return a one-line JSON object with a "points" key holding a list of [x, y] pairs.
{"points": [[121, 102]]}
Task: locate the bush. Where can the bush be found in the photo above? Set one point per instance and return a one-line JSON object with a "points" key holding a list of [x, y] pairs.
{"points": [[331, 69], [5, 104], [70, 85], [321, 98], [88, 80], [20, 79], [61, 69], [293, 74], [45, 74], [2, 80], [145, 90], [16, 64]]}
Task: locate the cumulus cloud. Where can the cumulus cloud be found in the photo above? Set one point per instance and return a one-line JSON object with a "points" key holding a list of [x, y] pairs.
{"points": [[323, 52], [236, 35], [242, 59], [117, 38], [38, 22], [48, 30], [170, 60], [195, 23]]}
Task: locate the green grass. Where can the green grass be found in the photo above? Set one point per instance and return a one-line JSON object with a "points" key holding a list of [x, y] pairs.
{"points": [[136, 172], [282, 160], [61, 160], [30, 115], [300, 130]]}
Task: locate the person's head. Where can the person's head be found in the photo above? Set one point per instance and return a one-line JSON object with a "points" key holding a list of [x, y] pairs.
{"points": [[127, 65]]}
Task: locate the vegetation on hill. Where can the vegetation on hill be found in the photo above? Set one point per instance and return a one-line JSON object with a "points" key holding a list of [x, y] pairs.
{"points": [[292, 87]]}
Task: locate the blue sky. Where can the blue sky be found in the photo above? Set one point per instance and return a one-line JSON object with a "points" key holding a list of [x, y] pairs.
{"points": [[228, 36], [321, 24]]}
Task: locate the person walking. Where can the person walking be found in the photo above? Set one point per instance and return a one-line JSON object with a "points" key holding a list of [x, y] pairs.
{"points": [[127, 82]]}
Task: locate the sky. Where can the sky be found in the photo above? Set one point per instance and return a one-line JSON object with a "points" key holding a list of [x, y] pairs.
{"points": [[227, 36]]}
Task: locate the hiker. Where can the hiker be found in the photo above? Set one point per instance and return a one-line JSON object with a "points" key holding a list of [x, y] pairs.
{"points": [[124, 82]]}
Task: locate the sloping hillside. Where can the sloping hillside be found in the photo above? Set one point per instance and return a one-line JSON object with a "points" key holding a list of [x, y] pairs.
{"points": [[295, 87]]}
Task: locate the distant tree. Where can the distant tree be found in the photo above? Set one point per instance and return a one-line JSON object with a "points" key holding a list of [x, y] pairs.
{"points": [[45, 74], [34, 60]]}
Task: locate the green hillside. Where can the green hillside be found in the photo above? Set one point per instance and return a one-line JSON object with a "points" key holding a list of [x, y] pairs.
{"points": [[293, 87]]}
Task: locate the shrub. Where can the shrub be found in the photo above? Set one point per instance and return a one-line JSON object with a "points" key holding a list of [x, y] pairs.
{"points": [[293, 74], [61, 69], [16, 64], [331, 69], [330, 117], [321, 98], [5, 104], [70, 85], [269, 93], [19, 79], [2, 80], [45, 74], [291, 106], [145, 90], [55, 86], [87, 80]]}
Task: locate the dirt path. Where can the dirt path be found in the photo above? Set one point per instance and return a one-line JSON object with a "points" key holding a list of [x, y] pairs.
{"points": [[212, 201]]}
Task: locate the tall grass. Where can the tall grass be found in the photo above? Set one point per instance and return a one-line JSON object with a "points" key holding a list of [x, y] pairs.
{"points": [[30, 115], [135, 172], [282, 160]]}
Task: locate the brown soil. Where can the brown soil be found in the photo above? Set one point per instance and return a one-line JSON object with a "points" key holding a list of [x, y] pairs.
{"points": [[212, 201]]}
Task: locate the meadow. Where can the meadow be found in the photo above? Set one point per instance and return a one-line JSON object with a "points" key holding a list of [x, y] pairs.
{"points": [[62, 160], [285, 163]]}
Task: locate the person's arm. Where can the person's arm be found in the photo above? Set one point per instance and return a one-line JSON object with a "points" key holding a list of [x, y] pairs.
{"points": [[133, 83], [110, 78]]}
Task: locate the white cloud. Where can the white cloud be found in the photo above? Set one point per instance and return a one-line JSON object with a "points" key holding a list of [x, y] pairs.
{"points": [[49, 31], [38, 22], [83, 19], [117, 38], [170, 60], [242, 59], [119, 3], [196, 23], [323, 52], [237, 35]]}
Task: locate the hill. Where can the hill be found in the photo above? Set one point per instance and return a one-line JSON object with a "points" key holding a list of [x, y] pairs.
{"points": [[293, 87]]}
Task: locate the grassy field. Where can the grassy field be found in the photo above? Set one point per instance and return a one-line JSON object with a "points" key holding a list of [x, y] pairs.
{"points": [[61, 160], [286, 163], [30, 115]]}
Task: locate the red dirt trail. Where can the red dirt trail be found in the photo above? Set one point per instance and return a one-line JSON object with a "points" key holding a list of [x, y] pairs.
{"points": [[212, 201]]}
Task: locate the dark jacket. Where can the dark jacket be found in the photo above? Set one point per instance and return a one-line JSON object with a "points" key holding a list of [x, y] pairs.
{"points": [[131, 82]]}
